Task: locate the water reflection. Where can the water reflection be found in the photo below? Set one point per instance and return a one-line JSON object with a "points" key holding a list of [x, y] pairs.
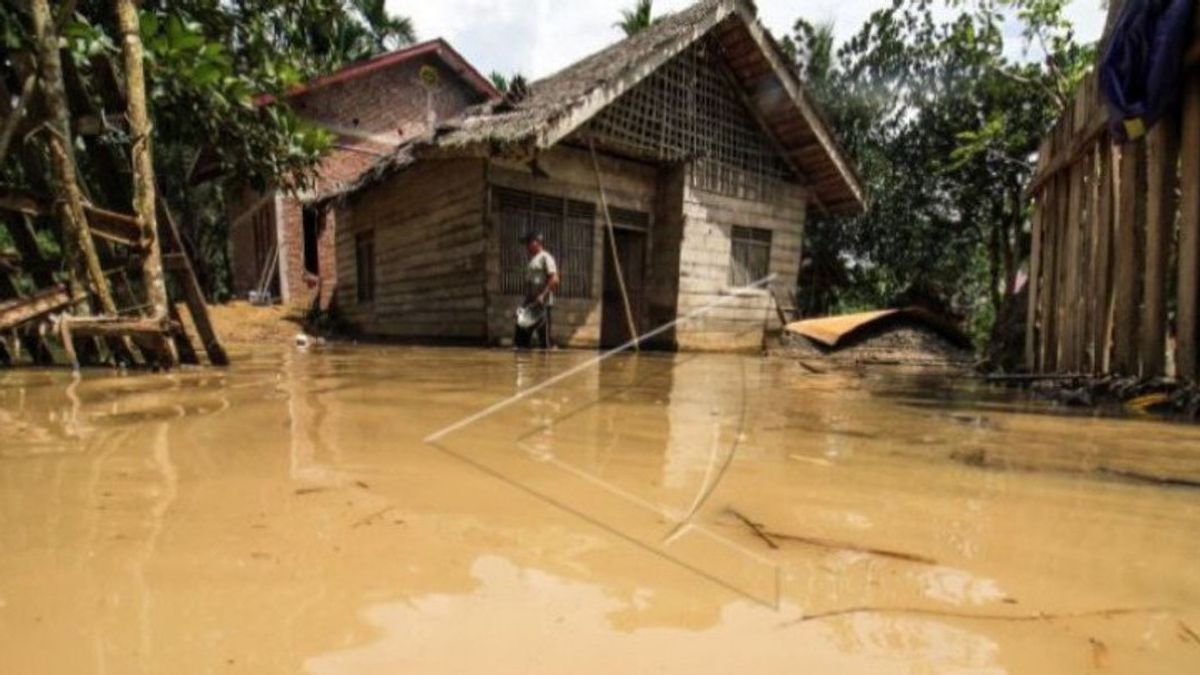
{"points": [[284, 515]]}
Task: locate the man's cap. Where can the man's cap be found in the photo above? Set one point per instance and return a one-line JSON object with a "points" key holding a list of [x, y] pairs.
{"points": [[533, 236]]}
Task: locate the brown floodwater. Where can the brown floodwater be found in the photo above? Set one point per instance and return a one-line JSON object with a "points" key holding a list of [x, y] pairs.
{"points": [[655, 514]]}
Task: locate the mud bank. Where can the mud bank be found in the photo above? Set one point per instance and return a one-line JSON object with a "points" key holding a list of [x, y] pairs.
{"points": [[660, 513]]}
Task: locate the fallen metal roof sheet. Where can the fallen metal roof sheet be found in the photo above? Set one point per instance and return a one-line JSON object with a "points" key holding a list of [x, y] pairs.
{"points": [[834, 331]]}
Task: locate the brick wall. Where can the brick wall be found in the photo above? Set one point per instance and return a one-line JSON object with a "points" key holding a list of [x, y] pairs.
{"points": [[390, 103]]}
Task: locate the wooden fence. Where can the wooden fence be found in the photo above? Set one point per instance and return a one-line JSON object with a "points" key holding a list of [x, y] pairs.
{"points": [[1115, 261]]}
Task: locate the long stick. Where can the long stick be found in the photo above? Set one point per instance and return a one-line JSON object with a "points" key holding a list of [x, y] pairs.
{"points": [[144, 193], [612, 241]]}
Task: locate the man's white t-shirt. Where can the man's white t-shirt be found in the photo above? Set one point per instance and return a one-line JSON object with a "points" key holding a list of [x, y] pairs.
{"points": [[540, 268]]}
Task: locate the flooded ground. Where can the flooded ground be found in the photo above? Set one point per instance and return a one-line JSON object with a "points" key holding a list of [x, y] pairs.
{"points": [[658, 514]]}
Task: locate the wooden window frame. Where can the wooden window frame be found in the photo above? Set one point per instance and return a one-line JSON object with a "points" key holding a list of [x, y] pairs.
{"points": [[750, 248]]}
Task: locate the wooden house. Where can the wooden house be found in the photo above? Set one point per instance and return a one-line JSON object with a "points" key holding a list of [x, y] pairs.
{"points": [[709, 154], [278, 241]]}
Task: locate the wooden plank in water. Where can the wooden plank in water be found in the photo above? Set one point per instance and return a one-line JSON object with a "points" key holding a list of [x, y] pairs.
{"points": [[1188, 338], [1130, 230], [1161, 158]]}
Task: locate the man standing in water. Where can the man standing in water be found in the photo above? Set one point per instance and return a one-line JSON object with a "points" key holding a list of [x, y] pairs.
{"points": [[541, 280]]}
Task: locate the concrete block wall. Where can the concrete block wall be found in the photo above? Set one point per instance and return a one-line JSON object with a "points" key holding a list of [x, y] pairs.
{"points": [[705, 258]]}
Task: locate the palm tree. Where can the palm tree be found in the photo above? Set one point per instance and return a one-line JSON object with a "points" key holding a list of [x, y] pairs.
{"points": [[638, 19], [389, 32]]}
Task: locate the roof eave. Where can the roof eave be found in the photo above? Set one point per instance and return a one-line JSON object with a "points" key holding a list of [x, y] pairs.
{"points": [[796, 92]]}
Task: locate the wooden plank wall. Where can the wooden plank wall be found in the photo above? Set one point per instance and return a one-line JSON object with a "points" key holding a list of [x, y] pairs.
{"points": [[1115, 256], [429, 253]]}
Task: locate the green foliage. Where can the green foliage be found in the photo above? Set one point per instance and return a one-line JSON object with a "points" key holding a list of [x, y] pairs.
{"points": [[217, 72], [499, 81], [944, 127]]}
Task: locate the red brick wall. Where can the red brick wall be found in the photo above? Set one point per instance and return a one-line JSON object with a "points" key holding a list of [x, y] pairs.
{"points": [[301, 286], [389, 101]]}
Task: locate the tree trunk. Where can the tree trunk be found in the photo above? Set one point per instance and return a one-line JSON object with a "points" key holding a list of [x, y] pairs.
{"points": [[144, 197], [81, 248]]}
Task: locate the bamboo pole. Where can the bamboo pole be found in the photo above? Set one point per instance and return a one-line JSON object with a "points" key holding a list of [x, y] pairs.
{"points": [[1188, 337], [1102, 284], [1128, 282], [144, 192], [612, 239], [1035, 270], [1162, 145]]}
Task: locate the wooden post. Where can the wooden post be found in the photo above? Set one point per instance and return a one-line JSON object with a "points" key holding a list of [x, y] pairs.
{"points": [[1188, 333], [82, 250], [634, 334], [1035, 270], [1128, 250], [1065, 241], [144, 192], [1102, 281], [1073, 327], [1049, 269], [1161, 148]]}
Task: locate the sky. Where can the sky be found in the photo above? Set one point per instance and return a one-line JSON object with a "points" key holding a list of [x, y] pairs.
{"points": [[538, 37]]}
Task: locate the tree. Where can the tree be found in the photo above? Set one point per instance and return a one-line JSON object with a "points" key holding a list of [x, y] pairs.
{"points": [[944, 126], [637, 19], [207, 65]]}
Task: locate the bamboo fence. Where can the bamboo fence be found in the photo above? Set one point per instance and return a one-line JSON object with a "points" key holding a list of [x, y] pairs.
{"points": [[1115, 260]]}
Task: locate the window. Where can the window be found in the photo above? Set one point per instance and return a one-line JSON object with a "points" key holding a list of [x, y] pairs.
{"points": [[364, 262], [750, 259], [314, 222], [569, 229]]}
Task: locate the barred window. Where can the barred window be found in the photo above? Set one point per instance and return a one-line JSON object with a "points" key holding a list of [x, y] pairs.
{"points": [[364, 262], [568, 228], [750, 259]]}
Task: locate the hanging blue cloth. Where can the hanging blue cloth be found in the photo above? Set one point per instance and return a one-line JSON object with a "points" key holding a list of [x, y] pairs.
{"points": [[1141, 69]]}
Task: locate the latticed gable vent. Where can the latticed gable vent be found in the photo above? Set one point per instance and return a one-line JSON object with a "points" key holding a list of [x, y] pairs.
{"points": [[690, 109]]}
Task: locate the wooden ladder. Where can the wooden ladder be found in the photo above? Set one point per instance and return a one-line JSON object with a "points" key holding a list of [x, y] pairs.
{"points": [[176, 262]]}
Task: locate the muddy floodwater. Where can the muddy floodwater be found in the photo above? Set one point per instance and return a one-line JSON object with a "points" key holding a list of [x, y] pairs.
{"points": [[655, 514]]}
